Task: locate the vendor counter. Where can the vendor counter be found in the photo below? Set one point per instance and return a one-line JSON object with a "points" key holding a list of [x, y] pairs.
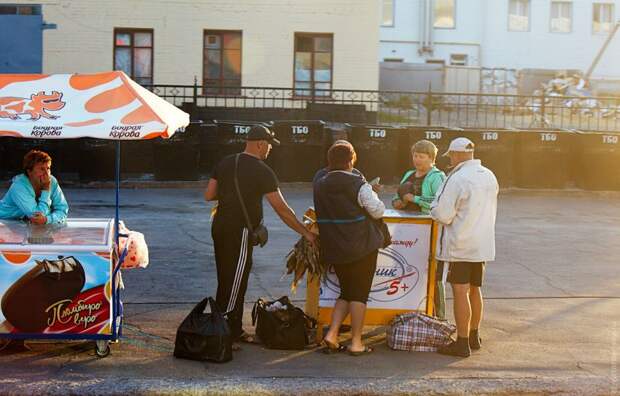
{"points": [[56, 280], [404, 279]]}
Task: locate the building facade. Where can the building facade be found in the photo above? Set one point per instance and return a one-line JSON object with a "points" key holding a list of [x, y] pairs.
{"points": [[318, 44], [516, 34]]}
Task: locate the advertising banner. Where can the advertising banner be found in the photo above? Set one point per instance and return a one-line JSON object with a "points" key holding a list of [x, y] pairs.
{"points": [[401, 277]]}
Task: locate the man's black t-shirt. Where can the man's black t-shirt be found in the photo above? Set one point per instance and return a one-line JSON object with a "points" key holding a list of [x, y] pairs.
{"points": [[255, 180]]}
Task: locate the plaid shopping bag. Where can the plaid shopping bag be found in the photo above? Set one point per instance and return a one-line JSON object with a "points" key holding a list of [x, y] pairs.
{"points": [[416, 331]]}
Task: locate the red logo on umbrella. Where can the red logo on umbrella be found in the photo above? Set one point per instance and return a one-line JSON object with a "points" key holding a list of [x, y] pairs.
{"points": [[36, 107]]}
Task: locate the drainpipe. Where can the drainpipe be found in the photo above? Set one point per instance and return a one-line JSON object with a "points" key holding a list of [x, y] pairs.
{"points": [[426, 27], [422, 27], [430, 19]]}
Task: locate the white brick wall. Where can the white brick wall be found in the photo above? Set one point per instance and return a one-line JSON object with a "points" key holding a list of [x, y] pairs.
{"points": [[83, 41]]}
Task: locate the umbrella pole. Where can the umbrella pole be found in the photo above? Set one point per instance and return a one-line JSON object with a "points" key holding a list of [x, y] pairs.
{"points": [[115, 294], [118, 182]]}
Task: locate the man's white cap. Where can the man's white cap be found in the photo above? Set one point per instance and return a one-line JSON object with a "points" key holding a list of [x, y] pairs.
{"points": [[462, 145]]}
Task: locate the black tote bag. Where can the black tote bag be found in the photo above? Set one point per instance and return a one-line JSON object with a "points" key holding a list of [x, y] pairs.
{"points": [[282, 329], [204, 336]]}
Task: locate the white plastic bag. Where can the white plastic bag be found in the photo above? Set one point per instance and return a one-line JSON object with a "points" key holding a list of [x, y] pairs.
{"points": [[137, 250]]}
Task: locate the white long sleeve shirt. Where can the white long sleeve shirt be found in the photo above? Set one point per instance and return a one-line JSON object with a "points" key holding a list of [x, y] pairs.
{"points": [[466, 208], [369, 200]]}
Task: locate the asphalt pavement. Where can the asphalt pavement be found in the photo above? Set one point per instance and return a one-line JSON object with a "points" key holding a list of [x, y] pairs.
{"points": [[551, 325]]}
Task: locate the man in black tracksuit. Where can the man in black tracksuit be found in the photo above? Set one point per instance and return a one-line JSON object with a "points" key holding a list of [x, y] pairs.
{"points": [[231, 238]]}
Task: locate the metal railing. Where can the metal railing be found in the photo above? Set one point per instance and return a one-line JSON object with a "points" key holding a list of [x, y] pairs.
{"points": [[420, 108]]}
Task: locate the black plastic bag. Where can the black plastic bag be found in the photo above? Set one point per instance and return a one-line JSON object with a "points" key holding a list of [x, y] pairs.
{"points": [[285, 328], [204, 336]]}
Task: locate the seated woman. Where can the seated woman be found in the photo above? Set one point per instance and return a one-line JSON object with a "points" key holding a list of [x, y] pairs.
{"points": [[350, 240], [417, 191], [35, 195]]}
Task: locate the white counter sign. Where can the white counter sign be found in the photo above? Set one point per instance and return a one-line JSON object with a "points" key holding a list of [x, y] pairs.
{"points": [[400, 280]]}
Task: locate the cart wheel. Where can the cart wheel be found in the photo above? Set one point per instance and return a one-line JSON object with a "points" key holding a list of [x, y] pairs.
{"points": [[102, 348]]}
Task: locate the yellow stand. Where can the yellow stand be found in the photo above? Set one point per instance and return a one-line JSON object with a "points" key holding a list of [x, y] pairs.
{"points": [[373, 316]]}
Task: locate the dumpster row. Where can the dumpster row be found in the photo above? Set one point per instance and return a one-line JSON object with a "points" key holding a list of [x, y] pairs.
{"points": [[521, 158]]}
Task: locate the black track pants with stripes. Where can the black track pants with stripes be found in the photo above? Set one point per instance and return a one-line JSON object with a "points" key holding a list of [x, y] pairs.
{"points": [[233, 259]]}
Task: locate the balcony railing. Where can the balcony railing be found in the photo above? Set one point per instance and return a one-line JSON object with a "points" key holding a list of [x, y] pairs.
{"points": [[421, 108]]}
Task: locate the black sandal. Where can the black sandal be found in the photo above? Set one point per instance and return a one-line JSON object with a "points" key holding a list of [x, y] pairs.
{"points": [[330, 347], [364, 351]]}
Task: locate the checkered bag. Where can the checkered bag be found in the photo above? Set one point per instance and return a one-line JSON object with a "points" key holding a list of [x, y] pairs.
{"points": [[416, 331]]}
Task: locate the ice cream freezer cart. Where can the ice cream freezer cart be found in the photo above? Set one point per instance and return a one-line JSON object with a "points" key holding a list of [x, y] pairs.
{"points": [[404, 280], [63, 282], [60, 282]]}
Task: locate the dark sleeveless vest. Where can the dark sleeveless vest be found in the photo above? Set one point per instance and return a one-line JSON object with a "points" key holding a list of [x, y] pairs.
{"points": [[346, 229]]}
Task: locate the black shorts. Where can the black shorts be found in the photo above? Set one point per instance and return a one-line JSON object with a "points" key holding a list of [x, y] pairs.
{"points": [[356, 278], [461, 272]]}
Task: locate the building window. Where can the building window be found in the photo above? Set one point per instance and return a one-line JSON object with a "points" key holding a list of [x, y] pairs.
{"points": [[222, 62], [133, 53], [561, 16], [602, 17], [436, 62], [313, 64], [388, 13], [20, 9], [519, 15], [458, 59], [444, 14]]}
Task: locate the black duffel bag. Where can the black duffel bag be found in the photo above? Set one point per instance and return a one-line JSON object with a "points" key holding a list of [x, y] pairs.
{"points": [[204, 336], [284, 328]]}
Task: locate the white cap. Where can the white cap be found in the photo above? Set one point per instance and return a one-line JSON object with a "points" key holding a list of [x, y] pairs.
{"points": [[461, 144]]}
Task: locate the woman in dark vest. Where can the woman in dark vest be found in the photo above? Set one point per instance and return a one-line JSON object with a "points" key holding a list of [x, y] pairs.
{"points": [[345, 206]]}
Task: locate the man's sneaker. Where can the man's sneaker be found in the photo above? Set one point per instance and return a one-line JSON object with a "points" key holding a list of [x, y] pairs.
{"points": [[459, 348], [474, 340]]}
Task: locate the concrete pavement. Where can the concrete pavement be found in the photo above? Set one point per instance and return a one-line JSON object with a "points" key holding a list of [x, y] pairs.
{"points": [[552, 314]]}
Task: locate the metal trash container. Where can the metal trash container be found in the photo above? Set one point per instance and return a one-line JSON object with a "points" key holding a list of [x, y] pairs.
{"points": [[98, 160], [302, 150], [377, 151], [543, 158], [178, 158], [208, 148], [137, 157], [66, 156], [597, 158], [496, 149], [14, 151], [230, 137]]}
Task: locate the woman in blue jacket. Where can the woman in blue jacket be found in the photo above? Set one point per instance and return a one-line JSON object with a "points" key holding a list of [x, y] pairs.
{"points": [[35, 195]]}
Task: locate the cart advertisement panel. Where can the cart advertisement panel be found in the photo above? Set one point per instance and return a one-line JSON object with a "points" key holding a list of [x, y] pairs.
{"points": [[55, 279], [52, 293], [401, 277]]}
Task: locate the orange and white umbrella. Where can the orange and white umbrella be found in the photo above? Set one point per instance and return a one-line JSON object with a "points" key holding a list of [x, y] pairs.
{"points": [[64, 106]]}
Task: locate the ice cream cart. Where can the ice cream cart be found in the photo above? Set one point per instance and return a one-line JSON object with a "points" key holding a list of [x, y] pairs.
{"points": [[404, 279], [61, 281], [56, 281]]}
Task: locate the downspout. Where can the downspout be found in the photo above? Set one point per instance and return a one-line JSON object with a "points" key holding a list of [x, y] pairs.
{"points": [[422, 27], [426, 27], [431, 13]]}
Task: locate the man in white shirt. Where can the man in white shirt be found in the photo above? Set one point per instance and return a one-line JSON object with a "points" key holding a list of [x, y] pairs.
{"points": [[466, 208]]}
